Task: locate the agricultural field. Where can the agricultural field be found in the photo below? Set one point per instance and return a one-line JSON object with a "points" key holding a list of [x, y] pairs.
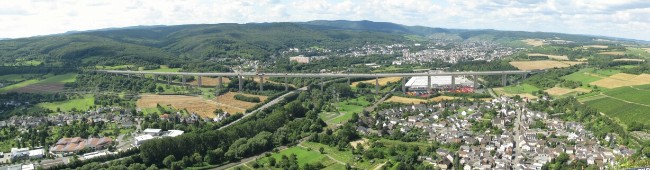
{"points": [[629, 59], [117, 67], [556, 57], [630, 94], [52, 83], [501, 91], [613, 53], [621, 80], [533, 42], [520, 88], [581, 76], [83, 103], [560, 91], [641, 52], [542, 64], [196, 104], [382, 81], [210, 81], [16, 77], [620, 110], [163, 68], [595, 46]]}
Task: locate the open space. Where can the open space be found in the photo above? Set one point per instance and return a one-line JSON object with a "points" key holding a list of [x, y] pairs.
{"points": [[595, 46], [612, 53], [534, 42], [229, 99], [382, 81], [83, 103], [344, 110], [210, 81], [520, 88], [559, 91], [52, 83], [542, 64], [556, 57], [196, 104], [622, 79]]}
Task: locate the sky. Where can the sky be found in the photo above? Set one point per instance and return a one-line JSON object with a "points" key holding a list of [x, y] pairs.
{"points": [[616, 18]]}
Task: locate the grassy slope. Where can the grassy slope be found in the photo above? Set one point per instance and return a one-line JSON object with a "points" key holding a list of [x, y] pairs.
{"points": [[15, 77], [626, 112], [521, 88], [63, 78], [348, 107], [630, 94], [81, 104]]}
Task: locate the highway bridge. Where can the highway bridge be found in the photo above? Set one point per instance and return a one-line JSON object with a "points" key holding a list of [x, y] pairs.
{"points": [[240, 76]]}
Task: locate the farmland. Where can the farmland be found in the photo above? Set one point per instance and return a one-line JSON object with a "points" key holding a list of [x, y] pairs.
{"points": [[51, 83], [382, 81], [622, 79], [533, 42], [630, 94], [556, 57], [623, 111], [16, 77], [229, 99], [613, 53], [520, 88], [542, 64], [595, 46], [559, 91], [210, 81], [198, 105]]}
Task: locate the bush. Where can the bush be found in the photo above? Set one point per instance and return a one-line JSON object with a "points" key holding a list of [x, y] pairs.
{"points": [[247, 98]]}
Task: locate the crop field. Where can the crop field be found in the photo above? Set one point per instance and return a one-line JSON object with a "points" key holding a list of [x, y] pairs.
{"points": [[534, 42], [556, 57], [559, 91], [595, 46], [501, 91], [197, 104], [210, 81], [520, 88], [623, 111], [641, 52], [581, 76], [622, 79], [630, 94], [629, 59], [47, 85], [613, 53], [382, 81], [542, 64], [83, 103]]}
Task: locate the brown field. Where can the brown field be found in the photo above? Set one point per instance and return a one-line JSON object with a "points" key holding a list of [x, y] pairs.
{"points": [[542, 64], [40, 88], [558, 91], [628, 59], [382, 81], [557, 57], [613, 53], [229, 99], [622, 79], [363, 142], [534, 42], [406, 100], [209, 81], [197, 104], [646, 49], [500, 91], [595, 46]]}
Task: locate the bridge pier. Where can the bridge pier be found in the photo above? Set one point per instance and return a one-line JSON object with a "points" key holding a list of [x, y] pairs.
{"points": [[428, 83], [377, 85], [524, 76], [142, 76], [261, 83], [404, 85], [169, 79], [453, 83], [183, 79], [286, 84], [504, 80], [241, 83], [155, 78], [348, 80], [128, 75], [220, 82], [475, 82], [199, 81]]}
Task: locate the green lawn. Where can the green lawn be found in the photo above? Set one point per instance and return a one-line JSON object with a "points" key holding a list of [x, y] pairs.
{"points": [[19, 85], [63, 78], [520, 88], [80, 104], [343, 156], [581, 77], [637, 52], [606, 72], [303, 155], [348, 107], [164, 68], [643, 87], [625, 112]]}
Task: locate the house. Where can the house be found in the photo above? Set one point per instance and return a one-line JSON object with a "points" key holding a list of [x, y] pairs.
{"points": [[73, 145], [141, 139], [25, 153]]}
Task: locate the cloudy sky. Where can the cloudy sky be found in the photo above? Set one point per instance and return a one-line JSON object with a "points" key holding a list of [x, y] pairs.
{"points": [[618, 18]]}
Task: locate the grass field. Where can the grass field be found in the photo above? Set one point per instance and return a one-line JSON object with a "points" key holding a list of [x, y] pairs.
{"points": [[560, 91], [303, 155], [613, 53], [83, 103], [16, 77], [203, 107], [542, 64], [556, 57], [622, 79], [346, 109], [581, 76], [641, 52], [520, 88], [533, 42], [50, 84], [382, 81], [18, 85], [630, 94], [343, 156]]}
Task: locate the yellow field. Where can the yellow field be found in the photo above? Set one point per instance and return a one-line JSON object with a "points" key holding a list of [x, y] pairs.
{"points": [[534, 42], [557, 57], [406, 100], [197, 104], [646, 49], [542, 64], [382, 81], [622, 79], [558, 91], [612, 53], [594, 46], [628, 59], [363, 142]]}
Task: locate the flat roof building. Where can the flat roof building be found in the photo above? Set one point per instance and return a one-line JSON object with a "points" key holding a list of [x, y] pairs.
{"points": [[437, 82], [152, 132]]}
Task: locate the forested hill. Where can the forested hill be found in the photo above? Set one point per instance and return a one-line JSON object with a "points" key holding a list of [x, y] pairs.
{"points": [[184, 45]]}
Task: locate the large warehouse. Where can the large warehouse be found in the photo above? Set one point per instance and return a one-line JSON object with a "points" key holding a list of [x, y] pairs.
{"points": [[438, 83]]}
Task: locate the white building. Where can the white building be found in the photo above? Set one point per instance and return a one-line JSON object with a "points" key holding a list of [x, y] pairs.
{"points": [[173, 133], [140, 139], [152, 132], [25, 153], [437, 82]]}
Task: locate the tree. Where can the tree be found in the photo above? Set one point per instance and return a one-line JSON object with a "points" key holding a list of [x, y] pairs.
{"points": [[152, 167], [321, 150], [197, 159], [272, 161], [169, 160]]}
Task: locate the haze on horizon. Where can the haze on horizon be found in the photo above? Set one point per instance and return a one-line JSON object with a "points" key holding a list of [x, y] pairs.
{"points": [[620, 18]]}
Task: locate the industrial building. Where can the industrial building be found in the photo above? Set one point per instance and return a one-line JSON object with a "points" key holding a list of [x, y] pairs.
{"points": [[438, 83]]}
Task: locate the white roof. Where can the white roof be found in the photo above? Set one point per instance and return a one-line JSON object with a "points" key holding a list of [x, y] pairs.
{"points": [[152, 130], [36, 152], [143, 137], [27, 167], [174, 133]]}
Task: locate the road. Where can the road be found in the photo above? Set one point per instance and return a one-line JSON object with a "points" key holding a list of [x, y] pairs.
{"points": [[518, 135]]}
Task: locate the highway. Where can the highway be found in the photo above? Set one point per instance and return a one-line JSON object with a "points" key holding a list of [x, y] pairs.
{"points": [[347, 75]]}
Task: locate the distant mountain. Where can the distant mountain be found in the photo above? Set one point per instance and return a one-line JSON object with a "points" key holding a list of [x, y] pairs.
{"points": [[183, 45]]}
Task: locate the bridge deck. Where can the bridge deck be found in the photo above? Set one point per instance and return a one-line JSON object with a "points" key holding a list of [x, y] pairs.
{"points": [[325, 74]]}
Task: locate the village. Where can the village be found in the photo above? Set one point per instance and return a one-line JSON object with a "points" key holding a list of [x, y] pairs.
{"points": [[500, 134]]}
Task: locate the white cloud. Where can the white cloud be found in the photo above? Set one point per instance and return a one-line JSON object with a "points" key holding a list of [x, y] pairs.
{"points": [[622, 18]]}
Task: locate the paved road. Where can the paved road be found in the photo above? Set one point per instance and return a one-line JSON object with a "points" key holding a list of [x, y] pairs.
{"points": [[518, 135]]}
